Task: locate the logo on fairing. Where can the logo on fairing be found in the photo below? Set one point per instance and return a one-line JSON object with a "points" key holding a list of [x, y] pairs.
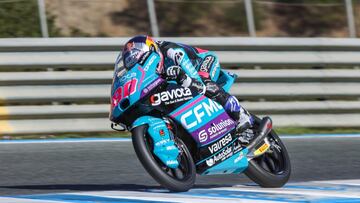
{"points": [[220, 144], [210, 162], [151, 61], [144, 57], [224, 154], [198, 112], [241, 155], [203, 136], [128, 76], [216, 129], [219, 127], [171, 96]]}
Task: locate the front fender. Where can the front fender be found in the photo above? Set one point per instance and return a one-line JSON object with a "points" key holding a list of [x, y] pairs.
{"points": [[164, 145]]}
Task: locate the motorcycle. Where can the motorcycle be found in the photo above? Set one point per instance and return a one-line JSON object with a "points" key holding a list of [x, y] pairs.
{"points": [[178, 133]]}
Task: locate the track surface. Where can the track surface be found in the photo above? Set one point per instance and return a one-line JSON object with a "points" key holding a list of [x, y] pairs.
{"points": [[30, 168]]}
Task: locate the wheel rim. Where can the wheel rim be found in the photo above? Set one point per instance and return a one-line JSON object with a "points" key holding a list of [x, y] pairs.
{"points": [[183, 172], [273, 161]]}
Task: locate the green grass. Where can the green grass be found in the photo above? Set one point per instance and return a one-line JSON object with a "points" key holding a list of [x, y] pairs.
{"points": [[280, 131]]}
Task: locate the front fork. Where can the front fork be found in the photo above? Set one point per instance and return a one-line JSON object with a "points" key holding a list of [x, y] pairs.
{"points": [[260, 144]]}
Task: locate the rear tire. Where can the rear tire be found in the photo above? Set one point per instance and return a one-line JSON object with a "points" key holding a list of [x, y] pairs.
{"points": [[143, 149], [270, 169]]}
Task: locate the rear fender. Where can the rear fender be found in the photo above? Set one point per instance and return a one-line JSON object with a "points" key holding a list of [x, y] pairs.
{"points": [[164, 145]]}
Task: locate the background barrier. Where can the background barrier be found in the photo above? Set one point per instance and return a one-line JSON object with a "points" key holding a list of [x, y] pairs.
{"points": [[61, 85]]}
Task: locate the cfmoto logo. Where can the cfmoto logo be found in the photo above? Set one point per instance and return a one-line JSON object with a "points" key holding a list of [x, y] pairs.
{"points": [[195, 116]]}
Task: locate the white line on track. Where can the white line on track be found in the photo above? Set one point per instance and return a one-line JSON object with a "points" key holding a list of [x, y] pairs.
{"points": [[315, 191]]}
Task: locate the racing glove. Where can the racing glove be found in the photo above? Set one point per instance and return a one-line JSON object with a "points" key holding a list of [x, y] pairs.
{"points": [[178, 74]]}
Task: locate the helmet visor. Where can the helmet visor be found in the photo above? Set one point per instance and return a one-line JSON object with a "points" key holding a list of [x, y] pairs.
{"points": [[131, 57]]}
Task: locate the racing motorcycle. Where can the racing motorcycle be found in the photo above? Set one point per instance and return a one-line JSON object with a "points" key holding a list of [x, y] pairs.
{"points": [[178, 133]]}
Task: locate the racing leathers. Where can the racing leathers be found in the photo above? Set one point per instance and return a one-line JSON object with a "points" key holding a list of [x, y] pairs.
{"points": [[191, 66]]}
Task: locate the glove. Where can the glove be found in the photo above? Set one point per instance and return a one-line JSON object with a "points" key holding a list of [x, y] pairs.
{"points": [[178, 74], [175, 73]]}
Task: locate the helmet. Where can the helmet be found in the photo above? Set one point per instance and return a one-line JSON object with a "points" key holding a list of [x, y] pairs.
{"points": [[136, 48]]}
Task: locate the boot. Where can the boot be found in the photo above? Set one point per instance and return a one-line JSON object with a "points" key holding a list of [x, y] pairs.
{"points": [[245, 121]]}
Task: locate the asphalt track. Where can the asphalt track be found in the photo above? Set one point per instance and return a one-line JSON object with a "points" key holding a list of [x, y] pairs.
{"points": [[33, 168]]}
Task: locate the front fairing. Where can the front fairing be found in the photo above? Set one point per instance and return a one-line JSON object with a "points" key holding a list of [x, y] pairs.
{"points": [[130, 86]]}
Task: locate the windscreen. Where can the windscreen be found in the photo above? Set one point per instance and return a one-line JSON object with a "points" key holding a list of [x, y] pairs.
{"points": [[119, 70]]}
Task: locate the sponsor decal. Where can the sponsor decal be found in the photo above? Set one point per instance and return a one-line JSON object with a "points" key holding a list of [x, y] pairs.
{"points": [[210, 162], [150, 62], [216, 129], [152, 85], [207, 63], [262, 149], [171, 162], [172, 147], [171, 96], [224, 154], [195, 116], [162, 142], [144, 57], [220, 144], [126, 77], [237, 146], [241, 155], [203, 136]]}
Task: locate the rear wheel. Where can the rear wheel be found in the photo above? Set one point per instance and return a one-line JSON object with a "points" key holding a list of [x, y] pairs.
{"points": [[273, 168], [177, 180]]}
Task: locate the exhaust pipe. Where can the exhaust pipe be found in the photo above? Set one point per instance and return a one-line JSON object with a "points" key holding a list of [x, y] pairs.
{"points": [[264, 129]]}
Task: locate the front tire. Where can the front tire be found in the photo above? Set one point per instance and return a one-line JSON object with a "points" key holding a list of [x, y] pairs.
{"points": [[273, 168], [168, 178]]}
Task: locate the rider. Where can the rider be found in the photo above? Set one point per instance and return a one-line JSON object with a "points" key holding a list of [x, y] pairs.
{"points": [[184, 64]]}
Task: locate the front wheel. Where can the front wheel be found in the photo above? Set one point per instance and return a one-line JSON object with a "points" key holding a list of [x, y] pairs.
{"points": [[273, 168], [180, 179]]}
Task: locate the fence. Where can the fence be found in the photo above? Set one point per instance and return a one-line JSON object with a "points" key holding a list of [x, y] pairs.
{"points": [[62, 85], [55, 18]]}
